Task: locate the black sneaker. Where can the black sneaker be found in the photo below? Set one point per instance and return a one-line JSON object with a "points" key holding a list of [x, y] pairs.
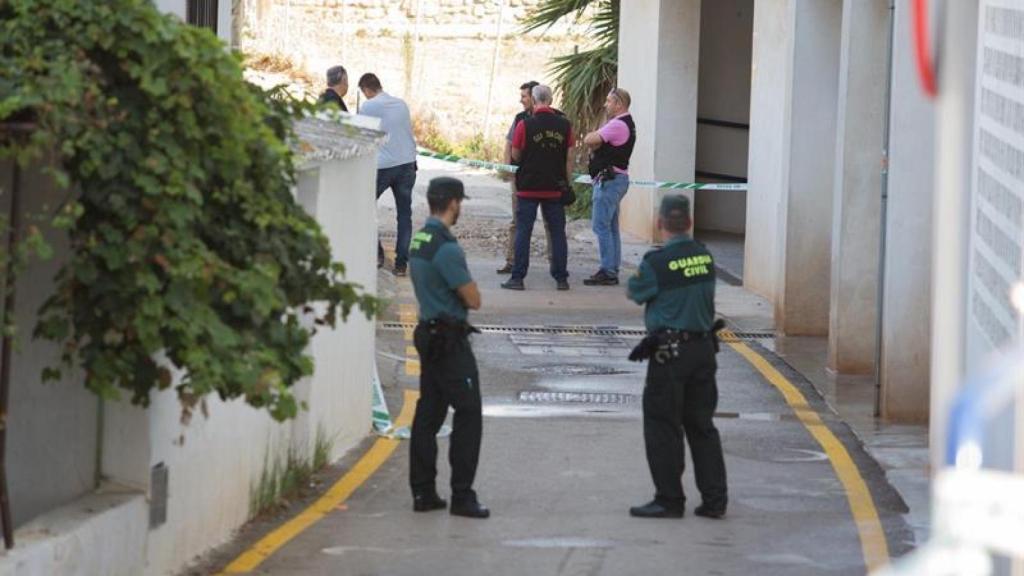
{"points": [[562, 285], [506, 269], [655, 510], [602, 278], [401, 271], [514, 284], [428, 502], [469, 509], [709, 512]]}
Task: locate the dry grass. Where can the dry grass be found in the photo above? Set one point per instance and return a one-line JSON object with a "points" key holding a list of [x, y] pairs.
{"points": [[281, 64]]}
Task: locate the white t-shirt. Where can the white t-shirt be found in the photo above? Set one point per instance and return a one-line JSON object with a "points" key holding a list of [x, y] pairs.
{"points": [[396, 122]]}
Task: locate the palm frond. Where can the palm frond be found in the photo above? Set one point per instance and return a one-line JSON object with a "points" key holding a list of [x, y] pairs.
{"points": [[583, 78], [549, 13]]}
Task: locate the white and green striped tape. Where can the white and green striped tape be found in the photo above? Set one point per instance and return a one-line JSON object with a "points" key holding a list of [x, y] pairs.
{"points": [[580, 178]]}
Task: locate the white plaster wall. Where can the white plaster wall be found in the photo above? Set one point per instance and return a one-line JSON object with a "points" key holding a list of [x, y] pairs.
{"points": [[659, 44], [52, 433], [856, 222], [340, 396], [907, 300], [176, 7], [103, 533], [180, 9], [213, 464], [769, 143]]}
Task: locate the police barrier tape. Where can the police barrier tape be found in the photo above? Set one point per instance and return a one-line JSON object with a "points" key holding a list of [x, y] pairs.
{"points": [[382, 424], [580, 178]]}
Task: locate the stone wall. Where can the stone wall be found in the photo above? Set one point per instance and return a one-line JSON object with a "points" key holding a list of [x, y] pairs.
{"points": [[437, 54]]}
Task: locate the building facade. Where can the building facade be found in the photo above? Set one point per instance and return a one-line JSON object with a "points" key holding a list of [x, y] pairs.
{"points": [[878, 216]]}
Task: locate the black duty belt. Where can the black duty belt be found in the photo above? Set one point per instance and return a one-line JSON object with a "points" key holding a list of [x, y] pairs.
{"points": [[664, 344], [437, 337]]}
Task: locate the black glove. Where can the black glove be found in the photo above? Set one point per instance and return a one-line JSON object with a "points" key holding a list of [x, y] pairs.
{"points": [[717, 327]]}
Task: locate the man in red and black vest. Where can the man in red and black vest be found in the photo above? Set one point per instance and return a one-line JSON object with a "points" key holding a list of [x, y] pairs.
{"points": [[540, 146]]}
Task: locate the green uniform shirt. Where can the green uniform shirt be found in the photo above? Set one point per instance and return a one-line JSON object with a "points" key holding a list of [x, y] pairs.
{"points": [[677, 285], [438, 268]]}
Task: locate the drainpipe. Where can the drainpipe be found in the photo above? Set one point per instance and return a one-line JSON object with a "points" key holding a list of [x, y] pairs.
{"points": [[14, 223], [884, 218]]}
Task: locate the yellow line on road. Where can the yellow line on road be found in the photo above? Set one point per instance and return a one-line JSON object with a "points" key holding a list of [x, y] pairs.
{"points": [[407, 315], [872, 537], [338, 493]]}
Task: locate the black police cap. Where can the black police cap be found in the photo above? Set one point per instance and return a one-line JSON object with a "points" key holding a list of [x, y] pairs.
{"points": [[446, 188]]}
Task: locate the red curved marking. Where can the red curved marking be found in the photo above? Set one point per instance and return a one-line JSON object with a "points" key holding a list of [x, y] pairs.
{"points": [[922, 48]]}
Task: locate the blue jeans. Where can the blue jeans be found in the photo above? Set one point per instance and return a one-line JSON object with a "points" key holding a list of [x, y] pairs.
{"points": [[554, 217], [401, 180], [605, 220]]}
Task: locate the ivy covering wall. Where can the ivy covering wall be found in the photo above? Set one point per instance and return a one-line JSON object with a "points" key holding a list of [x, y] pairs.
{"points": [[188, 251]]}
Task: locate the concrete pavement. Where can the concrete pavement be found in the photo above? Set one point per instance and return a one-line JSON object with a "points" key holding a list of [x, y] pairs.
{"points": [[563, 455]]}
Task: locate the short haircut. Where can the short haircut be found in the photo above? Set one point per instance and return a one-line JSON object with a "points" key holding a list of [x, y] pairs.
{"points": [[676, 222], [529, 86], [621, 95], [369, 81], [541, 94], [336, 75], [439, 204]]}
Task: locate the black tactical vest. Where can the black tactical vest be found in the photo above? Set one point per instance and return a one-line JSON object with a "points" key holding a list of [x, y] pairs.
{"points": [[608, 156], [542, 164]]}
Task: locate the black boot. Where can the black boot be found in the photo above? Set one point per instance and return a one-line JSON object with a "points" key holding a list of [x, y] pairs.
{"points": [[470, 508], [710, 511], [428, 502], [655, 510]]}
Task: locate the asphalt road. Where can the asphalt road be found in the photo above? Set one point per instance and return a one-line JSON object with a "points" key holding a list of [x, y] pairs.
{"points": [[563, 456]]}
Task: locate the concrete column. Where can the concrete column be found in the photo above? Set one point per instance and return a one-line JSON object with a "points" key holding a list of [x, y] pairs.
{"points": [[906, 323], [659, 48], [955, 107], [769, 94], [858, 181], [792, 155]]}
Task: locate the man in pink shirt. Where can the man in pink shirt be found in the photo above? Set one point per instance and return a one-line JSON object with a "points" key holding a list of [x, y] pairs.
{"points": [[611, 147]]}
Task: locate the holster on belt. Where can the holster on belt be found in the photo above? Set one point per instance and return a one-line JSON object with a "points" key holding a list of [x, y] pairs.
{"points": [[438, 337], [664, 344], [645, 349]]}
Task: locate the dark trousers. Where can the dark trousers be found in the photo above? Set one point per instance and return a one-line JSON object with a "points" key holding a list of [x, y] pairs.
{"points": [[554, 216], [680, 398], [401, 179], [450, 380]]}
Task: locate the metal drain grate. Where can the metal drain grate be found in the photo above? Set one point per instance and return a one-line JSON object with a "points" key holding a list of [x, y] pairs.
{"points": [[574, 370], [539, 397], [626, 332], [389, 235]]}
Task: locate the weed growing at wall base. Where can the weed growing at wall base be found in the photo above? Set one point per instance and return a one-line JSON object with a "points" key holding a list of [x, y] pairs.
{"points": [[288, 477]]}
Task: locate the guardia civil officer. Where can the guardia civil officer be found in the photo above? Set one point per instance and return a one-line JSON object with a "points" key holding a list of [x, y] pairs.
{"points": [[677, 285], [448, 377]]}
